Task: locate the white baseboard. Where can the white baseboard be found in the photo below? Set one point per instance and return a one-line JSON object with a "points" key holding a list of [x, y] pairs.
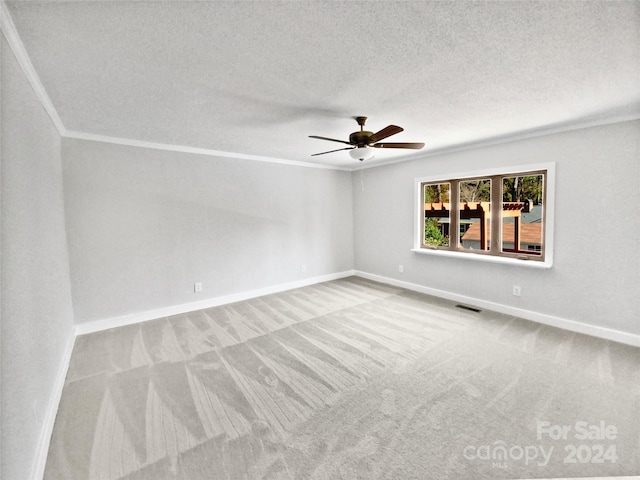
{"points": [[107, 323], [90, 327], [42, 450], [563, 323], [40, 460]]}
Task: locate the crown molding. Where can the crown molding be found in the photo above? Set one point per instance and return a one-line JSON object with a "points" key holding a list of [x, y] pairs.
{"points": [[510, 137], [17, 47], [193, 150]]}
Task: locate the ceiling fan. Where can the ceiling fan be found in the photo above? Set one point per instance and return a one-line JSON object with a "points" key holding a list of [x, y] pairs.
{"points": [[362, 141]]}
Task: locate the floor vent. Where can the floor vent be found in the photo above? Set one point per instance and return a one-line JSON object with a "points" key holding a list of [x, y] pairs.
{"points": [[467, 307]]}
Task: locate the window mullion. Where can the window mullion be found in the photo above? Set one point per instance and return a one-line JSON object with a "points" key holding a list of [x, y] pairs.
{"points": [[496, 215], [454, 216]]}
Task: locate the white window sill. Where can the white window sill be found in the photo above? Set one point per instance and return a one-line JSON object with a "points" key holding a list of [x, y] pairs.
{"points": [[485, 258]]}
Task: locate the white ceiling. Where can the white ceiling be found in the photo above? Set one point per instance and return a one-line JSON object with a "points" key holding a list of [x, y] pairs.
{"points": [[257, 78]]}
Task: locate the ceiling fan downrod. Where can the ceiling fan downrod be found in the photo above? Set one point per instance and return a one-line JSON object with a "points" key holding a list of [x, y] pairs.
{"points": [[360, 139]]}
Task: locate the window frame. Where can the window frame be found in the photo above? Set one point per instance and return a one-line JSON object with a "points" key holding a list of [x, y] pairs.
{"points": [[495, 253]]}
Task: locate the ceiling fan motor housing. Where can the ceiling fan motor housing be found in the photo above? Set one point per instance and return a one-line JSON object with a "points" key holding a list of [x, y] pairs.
{"points": [[360, 139]]}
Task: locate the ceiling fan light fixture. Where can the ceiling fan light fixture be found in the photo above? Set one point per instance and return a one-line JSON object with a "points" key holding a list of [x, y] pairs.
{"points": [[361, 153]]}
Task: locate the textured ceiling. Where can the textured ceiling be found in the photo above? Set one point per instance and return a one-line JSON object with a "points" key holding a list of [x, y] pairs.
{"points": [[257, 78]]}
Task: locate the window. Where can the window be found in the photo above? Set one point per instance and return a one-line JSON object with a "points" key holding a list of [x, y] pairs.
{"points": [[498, 215], [436, 221], [474, 213]]}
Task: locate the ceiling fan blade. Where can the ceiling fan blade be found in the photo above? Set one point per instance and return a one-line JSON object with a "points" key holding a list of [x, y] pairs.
{"points": [[330, 139], [384, 133], [415, 146], [331, 151]]}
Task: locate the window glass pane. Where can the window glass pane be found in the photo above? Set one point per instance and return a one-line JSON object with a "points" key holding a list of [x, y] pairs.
{"points": [[475, 228], [436, 214], [522, 211]]}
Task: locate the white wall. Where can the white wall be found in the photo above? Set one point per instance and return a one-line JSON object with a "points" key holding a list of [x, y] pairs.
{"points": [[36, 308], [596, 276], [144, 225]]}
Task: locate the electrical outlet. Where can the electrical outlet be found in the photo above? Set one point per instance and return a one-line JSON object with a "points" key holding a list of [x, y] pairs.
{"points": [[517, 290], [401, 268], [197, 287], [303, 268]]}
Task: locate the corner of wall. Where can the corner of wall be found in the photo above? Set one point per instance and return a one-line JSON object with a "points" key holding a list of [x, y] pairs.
{"points": [[24, 83]]}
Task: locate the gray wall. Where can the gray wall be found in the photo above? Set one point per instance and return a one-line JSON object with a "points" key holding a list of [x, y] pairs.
{"points": [[595, 278], [145, 225], [36, 312]]}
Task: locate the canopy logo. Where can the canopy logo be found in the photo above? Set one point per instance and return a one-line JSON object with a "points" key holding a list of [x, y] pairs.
{"points": [[592, 448], [499, 453]]}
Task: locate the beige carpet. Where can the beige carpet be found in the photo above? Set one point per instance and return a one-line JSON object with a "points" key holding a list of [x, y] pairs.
{"points": [[348, 379]]}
